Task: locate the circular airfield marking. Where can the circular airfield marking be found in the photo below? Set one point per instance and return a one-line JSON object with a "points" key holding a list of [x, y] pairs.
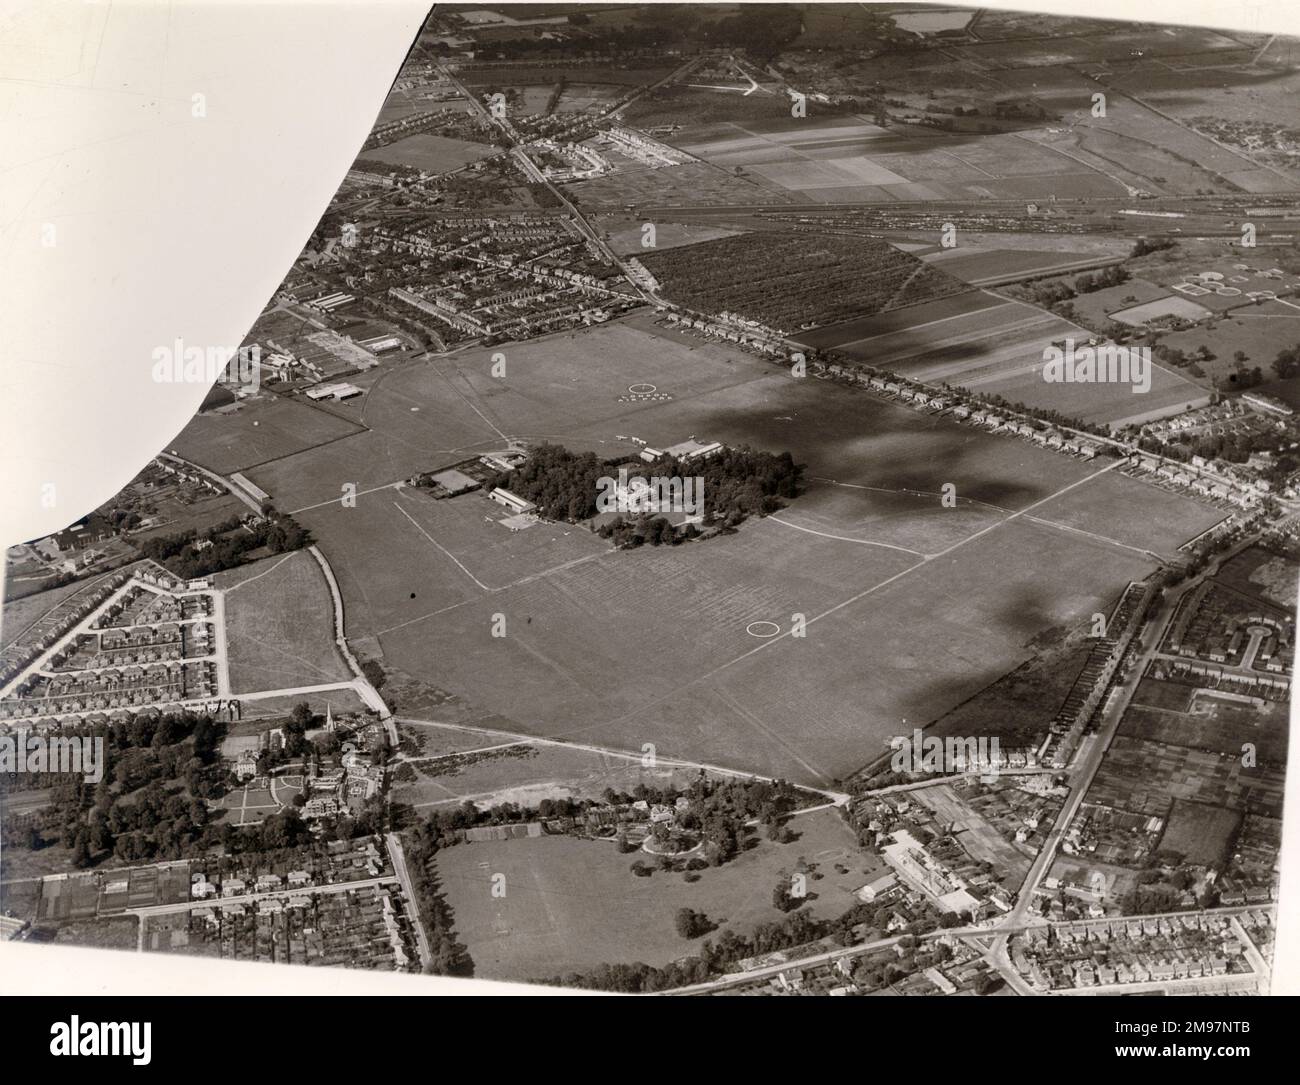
{"points": [[642, 389], [753, 630]]}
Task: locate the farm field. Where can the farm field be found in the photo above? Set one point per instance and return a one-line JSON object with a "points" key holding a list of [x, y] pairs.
{"points": [[984, 267], [1246, 98], [995, 347], [1113, 405], [689, 184], [572, 904], [702, 105], [848, 159], [429, 152], [280, 625]]}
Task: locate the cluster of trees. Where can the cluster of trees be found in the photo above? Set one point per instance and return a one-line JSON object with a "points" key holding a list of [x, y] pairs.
{"points": [[720, 812], [1049, 293], [644, 530], [737, 483], [1099, 280], [150, 801], [798, 928], [692, 924], [562, 484], [762, 30], [1056, 294], [783, 900], [1145, 245], [1287, 363], [713, 959], [450, 957], [232, 542], [741, 482]]}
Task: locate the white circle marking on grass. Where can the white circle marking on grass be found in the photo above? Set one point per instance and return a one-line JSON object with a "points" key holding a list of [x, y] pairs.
{"points": [[642, 389], [752, 630]]}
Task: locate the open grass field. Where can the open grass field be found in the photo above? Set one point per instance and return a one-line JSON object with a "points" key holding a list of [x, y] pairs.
{"points": [[573, 904], [279, 625], [440, 555], [973, 589], [1200, 833], [257, 431], [429, 152], [625, 234], [177, 516], [429, 740], [1259, 332], [526, 774], [264, 708], [791, 704]]}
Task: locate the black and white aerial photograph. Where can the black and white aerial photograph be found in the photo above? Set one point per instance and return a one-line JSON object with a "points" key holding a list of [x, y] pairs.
{"points": [[694, 499]]}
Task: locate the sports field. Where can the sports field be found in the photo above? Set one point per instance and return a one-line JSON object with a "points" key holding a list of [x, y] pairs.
{"points": [[572, 904], [430, 153]]}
